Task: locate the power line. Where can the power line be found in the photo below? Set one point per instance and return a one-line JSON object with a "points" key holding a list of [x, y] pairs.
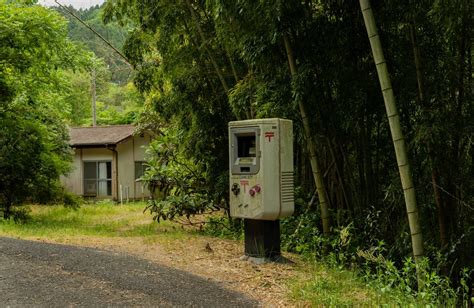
{"points": [[95, 32]]}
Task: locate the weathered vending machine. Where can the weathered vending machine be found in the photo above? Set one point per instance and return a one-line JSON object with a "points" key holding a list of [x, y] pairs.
{"points": [[261, 180]]}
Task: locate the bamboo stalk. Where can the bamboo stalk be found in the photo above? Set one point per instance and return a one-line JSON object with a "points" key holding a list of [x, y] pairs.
{"points": [[204, 44], [317, 175], [395, 129], [422, 102]]}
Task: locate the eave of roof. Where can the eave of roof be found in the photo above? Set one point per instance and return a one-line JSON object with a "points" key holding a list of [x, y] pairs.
{"points": [[99, 136]]}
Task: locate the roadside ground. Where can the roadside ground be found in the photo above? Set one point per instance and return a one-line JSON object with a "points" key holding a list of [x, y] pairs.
{"points": [[126, 229]]}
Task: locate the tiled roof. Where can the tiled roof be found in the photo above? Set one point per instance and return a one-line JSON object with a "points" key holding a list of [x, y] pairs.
{"points": [[99, 135]]}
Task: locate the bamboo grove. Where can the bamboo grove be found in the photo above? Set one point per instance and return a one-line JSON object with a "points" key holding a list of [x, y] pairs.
{"points": [[204, 63]]}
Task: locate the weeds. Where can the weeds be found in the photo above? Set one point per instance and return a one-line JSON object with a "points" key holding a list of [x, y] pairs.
{"points": [[401, 284], [334, 287], [392, 283], [99, 219]]}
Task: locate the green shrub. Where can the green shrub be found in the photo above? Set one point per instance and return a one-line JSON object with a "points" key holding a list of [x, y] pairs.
{"points": [[401, 283], [71, 200], [179, 186], [21, 215]]}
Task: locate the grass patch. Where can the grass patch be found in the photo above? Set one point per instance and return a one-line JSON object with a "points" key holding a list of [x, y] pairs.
{"points": [[102, 219], [323, 285], [332, 287]]}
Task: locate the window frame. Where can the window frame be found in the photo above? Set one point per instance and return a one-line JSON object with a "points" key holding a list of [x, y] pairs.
{"points": [[142, 169]]}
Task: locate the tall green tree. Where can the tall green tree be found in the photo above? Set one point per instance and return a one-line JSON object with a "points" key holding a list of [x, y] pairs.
{"points": [[185, 76], [315, 167], [34, 51]]}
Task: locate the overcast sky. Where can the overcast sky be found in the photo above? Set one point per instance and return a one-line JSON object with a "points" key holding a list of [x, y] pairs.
{"points": [[78, 4]]}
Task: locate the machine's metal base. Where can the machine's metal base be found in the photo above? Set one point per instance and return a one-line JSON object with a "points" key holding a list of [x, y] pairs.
{"points": [[262, 238]]}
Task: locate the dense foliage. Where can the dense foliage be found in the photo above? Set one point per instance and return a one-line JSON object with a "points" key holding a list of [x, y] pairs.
{"points": [[203, 63], [200, 64], [180, 182], [35, 54]]}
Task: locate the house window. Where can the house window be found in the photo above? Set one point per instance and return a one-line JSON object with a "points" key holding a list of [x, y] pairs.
{"points": [[97, 178], [140, 167]]}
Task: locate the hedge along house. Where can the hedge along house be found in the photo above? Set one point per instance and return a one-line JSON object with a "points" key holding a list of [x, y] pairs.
{"points": [[107, 162]]}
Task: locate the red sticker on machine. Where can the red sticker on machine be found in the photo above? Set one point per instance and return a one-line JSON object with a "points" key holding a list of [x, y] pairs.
{"points": [[244, 183], [269, 135]]}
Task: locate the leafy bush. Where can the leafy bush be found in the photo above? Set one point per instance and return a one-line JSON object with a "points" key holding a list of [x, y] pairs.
{"points": [[298, 232], [20, 215], [178, 185], [402, 283], [342, 249], [71, 200]]}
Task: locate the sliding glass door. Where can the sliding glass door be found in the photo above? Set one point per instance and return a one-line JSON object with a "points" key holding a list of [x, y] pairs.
{"points": [[98, 178]]}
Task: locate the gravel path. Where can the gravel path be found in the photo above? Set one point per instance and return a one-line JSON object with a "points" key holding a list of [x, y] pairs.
{"points": [[40, 274]]}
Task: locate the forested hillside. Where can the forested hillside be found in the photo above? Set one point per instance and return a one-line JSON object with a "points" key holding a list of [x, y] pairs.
{"points": [[118, 102], [196, 65], [120, 71]]}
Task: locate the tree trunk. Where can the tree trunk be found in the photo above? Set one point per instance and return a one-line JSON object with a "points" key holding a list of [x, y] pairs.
{"points": [[395, 129], [232, 65], [317, 175], [340, 179], [417, 58]]}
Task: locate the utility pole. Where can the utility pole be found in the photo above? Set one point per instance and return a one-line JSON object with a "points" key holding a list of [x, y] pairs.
{"points": [[94, 123]]}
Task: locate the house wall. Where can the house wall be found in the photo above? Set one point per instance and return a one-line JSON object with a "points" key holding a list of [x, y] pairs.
{"points": [[140, 145], [74, 181], [129, 152], [97, 154]]}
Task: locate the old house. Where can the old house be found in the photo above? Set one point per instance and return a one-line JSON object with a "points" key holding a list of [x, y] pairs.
{"points": [[108, 160]]}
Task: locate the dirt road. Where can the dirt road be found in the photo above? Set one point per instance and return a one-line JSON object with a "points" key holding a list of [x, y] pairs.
{"points": [[42, 274]]}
